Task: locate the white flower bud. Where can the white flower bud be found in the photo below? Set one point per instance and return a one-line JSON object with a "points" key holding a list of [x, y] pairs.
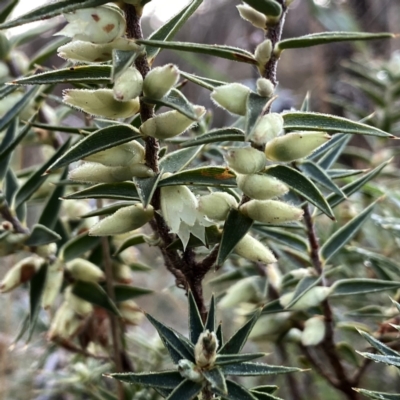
{"points": [[261, 187], [130, 312], [293, 335], [122, 273], [159, 81], [81, 51], [294, 145], [205, 350], [216, 205], [83, 270], [97, 25], [65, 323], [265, 87], [270, 325], [263, 54], [190, 371], [23, 271], [128, 85], [267, 128], [141, 171], [313, 298], [79, 306], [54, 280], [246, 160], [119, 156], [124, 220], [314, 331], [233, 97], [256, 18], [245, 290], [46, 250], [100, 102], [169, 124], [271, 211], [253, 250]]}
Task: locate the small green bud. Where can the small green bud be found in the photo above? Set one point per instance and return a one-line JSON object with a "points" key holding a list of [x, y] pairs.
{"points": [[124, 220], [233, 97], [265, 87], [122, 273], [54, 280], [65, 323], [129, 85], [83, 270], [130, 312], [216, 205], [100, 102], [23, 271], [46, 250], [261, 187], [295, 145], [245, 290], [314, 331], [119, 156], [205, 350], [190, 371], [246, 160], [5, 46], [267, 128], [253, 16], [271, 211], [313, 298], [79, 306], [269, 326], [141, 171], [97, 25], [159, 81], [263, 54], [253, 250], [169, 124]]}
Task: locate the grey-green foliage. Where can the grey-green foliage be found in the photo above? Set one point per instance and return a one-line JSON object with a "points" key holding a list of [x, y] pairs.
{"points": [[268, 201]]}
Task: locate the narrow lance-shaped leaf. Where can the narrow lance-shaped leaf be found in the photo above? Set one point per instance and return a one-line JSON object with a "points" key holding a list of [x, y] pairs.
{"points": [[344, 234], [207, 83], [8, 138], [118, 191], [165, 379], [178, 159], [107, 210], [7, 10], [237, 392], [216, 136], [78, 245], [210, 323], [378, 395], [228, 52], [382, 348], [225, 359], [315, 39], [268, 7], [131, 241], [256, 369], [330, 123], [389, 360], [216, 379], [127, 292], [196, 326], [146, 188], [357, 286], [305, 284], [187, 390], [254, 107], [41, 235]]}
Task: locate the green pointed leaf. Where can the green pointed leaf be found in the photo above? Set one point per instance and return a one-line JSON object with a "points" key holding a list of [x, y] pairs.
{"points": [[36, 287], [254, 108], [7, 10], [237, 392], [80, 74], [220, 336], [77, 246], [235, 227], [62, 128], [5, 90], [216, 379], [352, 187], [329, 158], [225, 359], [187, 390], [171, 337], [146, 188], [6, 119], [130, 241], [95, 294], [8, 138], [227, 52], [266, 7], [177, 101], [117, 191], [255, 369], [216, 136], [210, 323], [378, 395], [204, 176], [265, 389], [36, 180], [315, 39], [305, 284], [345, 233], [315, 172], [100, 140], [356, 286], [389, 360], [301, 185], [107, 210], [165, 379], [168, 31], [48, 50], [282, 235], [121, 61], [207, 83], [178, 159], [52, 10], [273, 307], [382, 348], [196, 326], [238, 340], [344, 173], [329, 123], [127, 292], [264, 396], [10, 186], [41, 235]]}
